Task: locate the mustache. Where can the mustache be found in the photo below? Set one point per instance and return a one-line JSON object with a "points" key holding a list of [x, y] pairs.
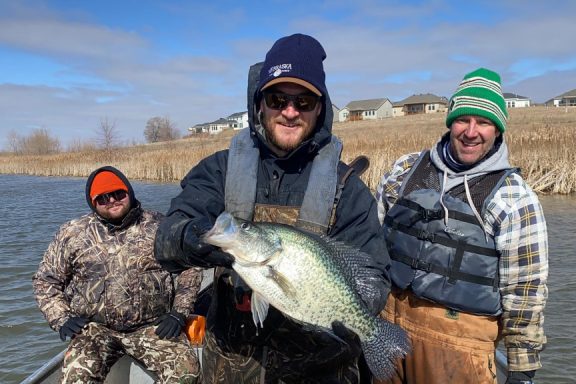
{"points": [[281, 120]]}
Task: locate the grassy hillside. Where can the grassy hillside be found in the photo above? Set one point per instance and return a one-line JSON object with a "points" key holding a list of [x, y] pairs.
{"points": [[541, 142]]}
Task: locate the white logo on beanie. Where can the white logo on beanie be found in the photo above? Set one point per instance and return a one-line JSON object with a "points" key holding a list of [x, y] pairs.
{"points": [[277, 70]]}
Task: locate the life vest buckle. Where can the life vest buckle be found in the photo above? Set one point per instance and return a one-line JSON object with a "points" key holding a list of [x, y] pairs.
{"points": [[430, 214]]}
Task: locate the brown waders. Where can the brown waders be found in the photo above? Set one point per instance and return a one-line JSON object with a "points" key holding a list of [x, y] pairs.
{"points": [[447, 346]]}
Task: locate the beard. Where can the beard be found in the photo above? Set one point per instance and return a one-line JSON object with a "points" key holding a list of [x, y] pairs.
{"points": [[282, 139]]}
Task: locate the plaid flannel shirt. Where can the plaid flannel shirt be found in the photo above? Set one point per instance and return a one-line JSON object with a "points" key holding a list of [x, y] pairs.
{"points": [[515, 218]]}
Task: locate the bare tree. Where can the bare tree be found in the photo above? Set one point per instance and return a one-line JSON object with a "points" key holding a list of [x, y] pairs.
{"points": [[39, 142], [14, 141], [160, 129], [107, 134]]}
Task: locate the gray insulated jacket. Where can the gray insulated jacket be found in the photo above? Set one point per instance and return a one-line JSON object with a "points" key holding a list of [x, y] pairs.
{"points": [[107, 273], [281, 182]]}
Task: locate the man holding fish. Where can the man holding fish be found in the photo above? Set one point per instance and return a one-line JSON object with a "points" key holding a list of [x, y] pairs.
{"points": [[285, 168]]}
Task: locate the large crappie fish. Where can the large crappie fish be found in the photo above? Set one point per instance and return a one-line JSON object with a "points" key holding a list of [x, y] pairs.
{"points": [[311, 279]]}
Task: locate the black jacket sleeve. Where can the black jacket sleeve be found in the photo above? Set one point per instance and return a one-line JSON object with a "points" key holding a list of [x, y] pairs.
{"points": [[201, 200], [357, 224]]}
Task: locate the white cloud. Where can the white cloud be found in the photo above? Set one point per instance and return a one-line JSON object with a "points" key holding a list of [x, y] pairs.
{"points": [[190, 62]]}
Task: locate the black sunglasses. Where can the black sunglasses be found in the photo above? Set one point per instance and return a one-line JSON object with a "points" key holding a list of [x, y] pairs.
{"points": [[279, 101], [105, 197]]}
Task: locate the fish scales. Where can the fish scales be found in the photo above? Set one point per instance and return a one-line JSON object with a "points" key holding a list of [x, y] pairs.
{"points": [[301, 275], [315, 277]]}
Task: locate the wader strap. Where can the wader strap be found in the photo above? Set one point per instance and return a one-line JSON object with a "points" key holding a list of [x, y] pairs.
{"points": [[433, 238]]}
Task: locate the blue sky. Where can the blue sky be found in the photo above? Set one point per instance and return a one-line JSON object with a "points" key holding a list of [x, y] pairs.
{"points": [[67, 65]]}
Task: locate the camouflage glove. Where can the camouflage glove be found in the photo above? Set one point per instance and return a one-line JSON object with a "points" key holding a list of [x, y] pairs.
{"points": [[170, 325], [72, 327], [199, 253], [518, 377]]}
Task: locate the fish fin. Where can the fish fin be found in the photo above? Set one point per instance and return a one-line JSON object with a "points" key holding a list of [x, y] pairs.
{"points": [[259, 307], [282, 282], [383, 349]]}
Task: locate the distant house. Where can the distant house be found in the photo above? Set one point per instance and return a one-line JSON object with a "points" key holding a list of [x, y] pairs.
{"points": [[220, 125], [240, 118], [567, 99], [516, 101], [398, 109], [372, 109], [422, 103], [213, 127], [199, 128]]}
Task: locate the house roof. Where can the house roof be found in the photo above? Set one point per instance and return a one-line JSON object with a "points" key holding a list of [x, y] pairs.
{"points": [[364, 105], [513, 96], [571, 93], [237, 114], [222, 121], [423, 98]]}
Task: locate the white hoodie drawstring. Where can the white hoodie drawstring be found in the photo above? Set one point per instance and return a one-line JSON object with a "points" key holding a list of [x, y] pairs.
{"points": [[468, 198], [471, 203]]}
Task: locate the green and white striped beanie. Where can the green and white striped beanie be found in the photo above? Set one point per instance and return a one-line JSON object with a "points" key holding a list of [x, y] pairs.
{"points": [[479, 94]]}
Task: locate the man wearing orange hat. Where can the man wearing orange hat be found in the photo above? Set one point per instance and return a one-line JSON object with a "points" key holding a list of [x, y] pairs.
{"points": [[100, 285]]}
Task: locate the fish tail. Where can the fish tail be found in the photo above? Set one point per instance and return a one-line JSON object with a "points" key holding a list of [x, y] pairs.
{"points": [[383, 350]]}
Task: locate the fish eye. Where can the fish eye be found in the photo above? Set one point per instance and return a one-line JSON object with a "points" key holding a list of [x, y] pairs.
{"points": [[245, 226]]}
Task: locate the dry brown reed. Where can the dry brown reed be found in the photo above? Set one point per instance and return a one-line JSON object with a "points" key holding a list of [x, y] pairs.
{"points": [[541, 142]]}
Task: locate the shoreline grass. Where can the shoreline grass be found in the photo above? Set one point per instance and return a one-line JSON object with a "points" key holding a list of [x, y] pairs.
{"points": [[541, 141]]}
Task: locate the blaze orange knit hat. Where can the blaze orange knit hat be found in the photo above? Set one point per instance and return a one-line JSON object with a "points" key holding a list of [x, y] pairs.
{"points": [[105, 182]]}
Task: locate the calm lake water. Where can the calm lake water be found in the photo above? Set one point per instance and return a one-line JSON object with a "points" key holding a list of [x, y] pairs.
{"points": [[32, 208]]}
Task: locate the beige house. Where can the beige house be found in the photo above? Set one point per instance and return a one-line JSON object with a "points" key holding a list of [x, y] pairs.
{"points": [[372, 109], [567, 99], [422, 103]]}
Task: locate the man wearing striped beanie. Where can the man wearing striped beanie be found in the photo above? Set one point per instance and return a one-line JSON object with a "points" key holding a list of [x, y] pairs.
{"points": [[469, 248]]}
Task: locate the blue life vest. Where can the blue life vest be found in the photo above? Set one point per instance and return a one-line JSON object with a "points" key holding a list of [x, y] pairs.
{"points": [[455, 265]]}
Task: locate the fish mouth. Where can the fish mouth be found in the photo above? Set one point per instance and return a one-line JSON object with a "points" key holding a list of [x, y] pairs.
{"points": [[223, 231]]}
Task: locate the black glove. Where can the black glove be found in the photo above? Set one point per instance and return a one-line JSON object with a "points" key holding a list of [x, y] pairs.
{"points": [[334, 356], [170, 325], [314, 356], [200, 253], [520, 377], [72, 327], [350, 338]]}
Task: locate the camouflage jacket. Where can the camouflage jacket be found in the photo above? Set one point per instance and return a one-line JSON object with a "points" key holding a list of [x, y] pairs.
{"points": [[110, 277]]}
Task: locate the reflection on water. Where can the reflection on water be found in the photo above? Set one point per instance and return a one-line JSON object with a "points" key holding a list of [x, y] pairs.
{"points": [[33, 208]]}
